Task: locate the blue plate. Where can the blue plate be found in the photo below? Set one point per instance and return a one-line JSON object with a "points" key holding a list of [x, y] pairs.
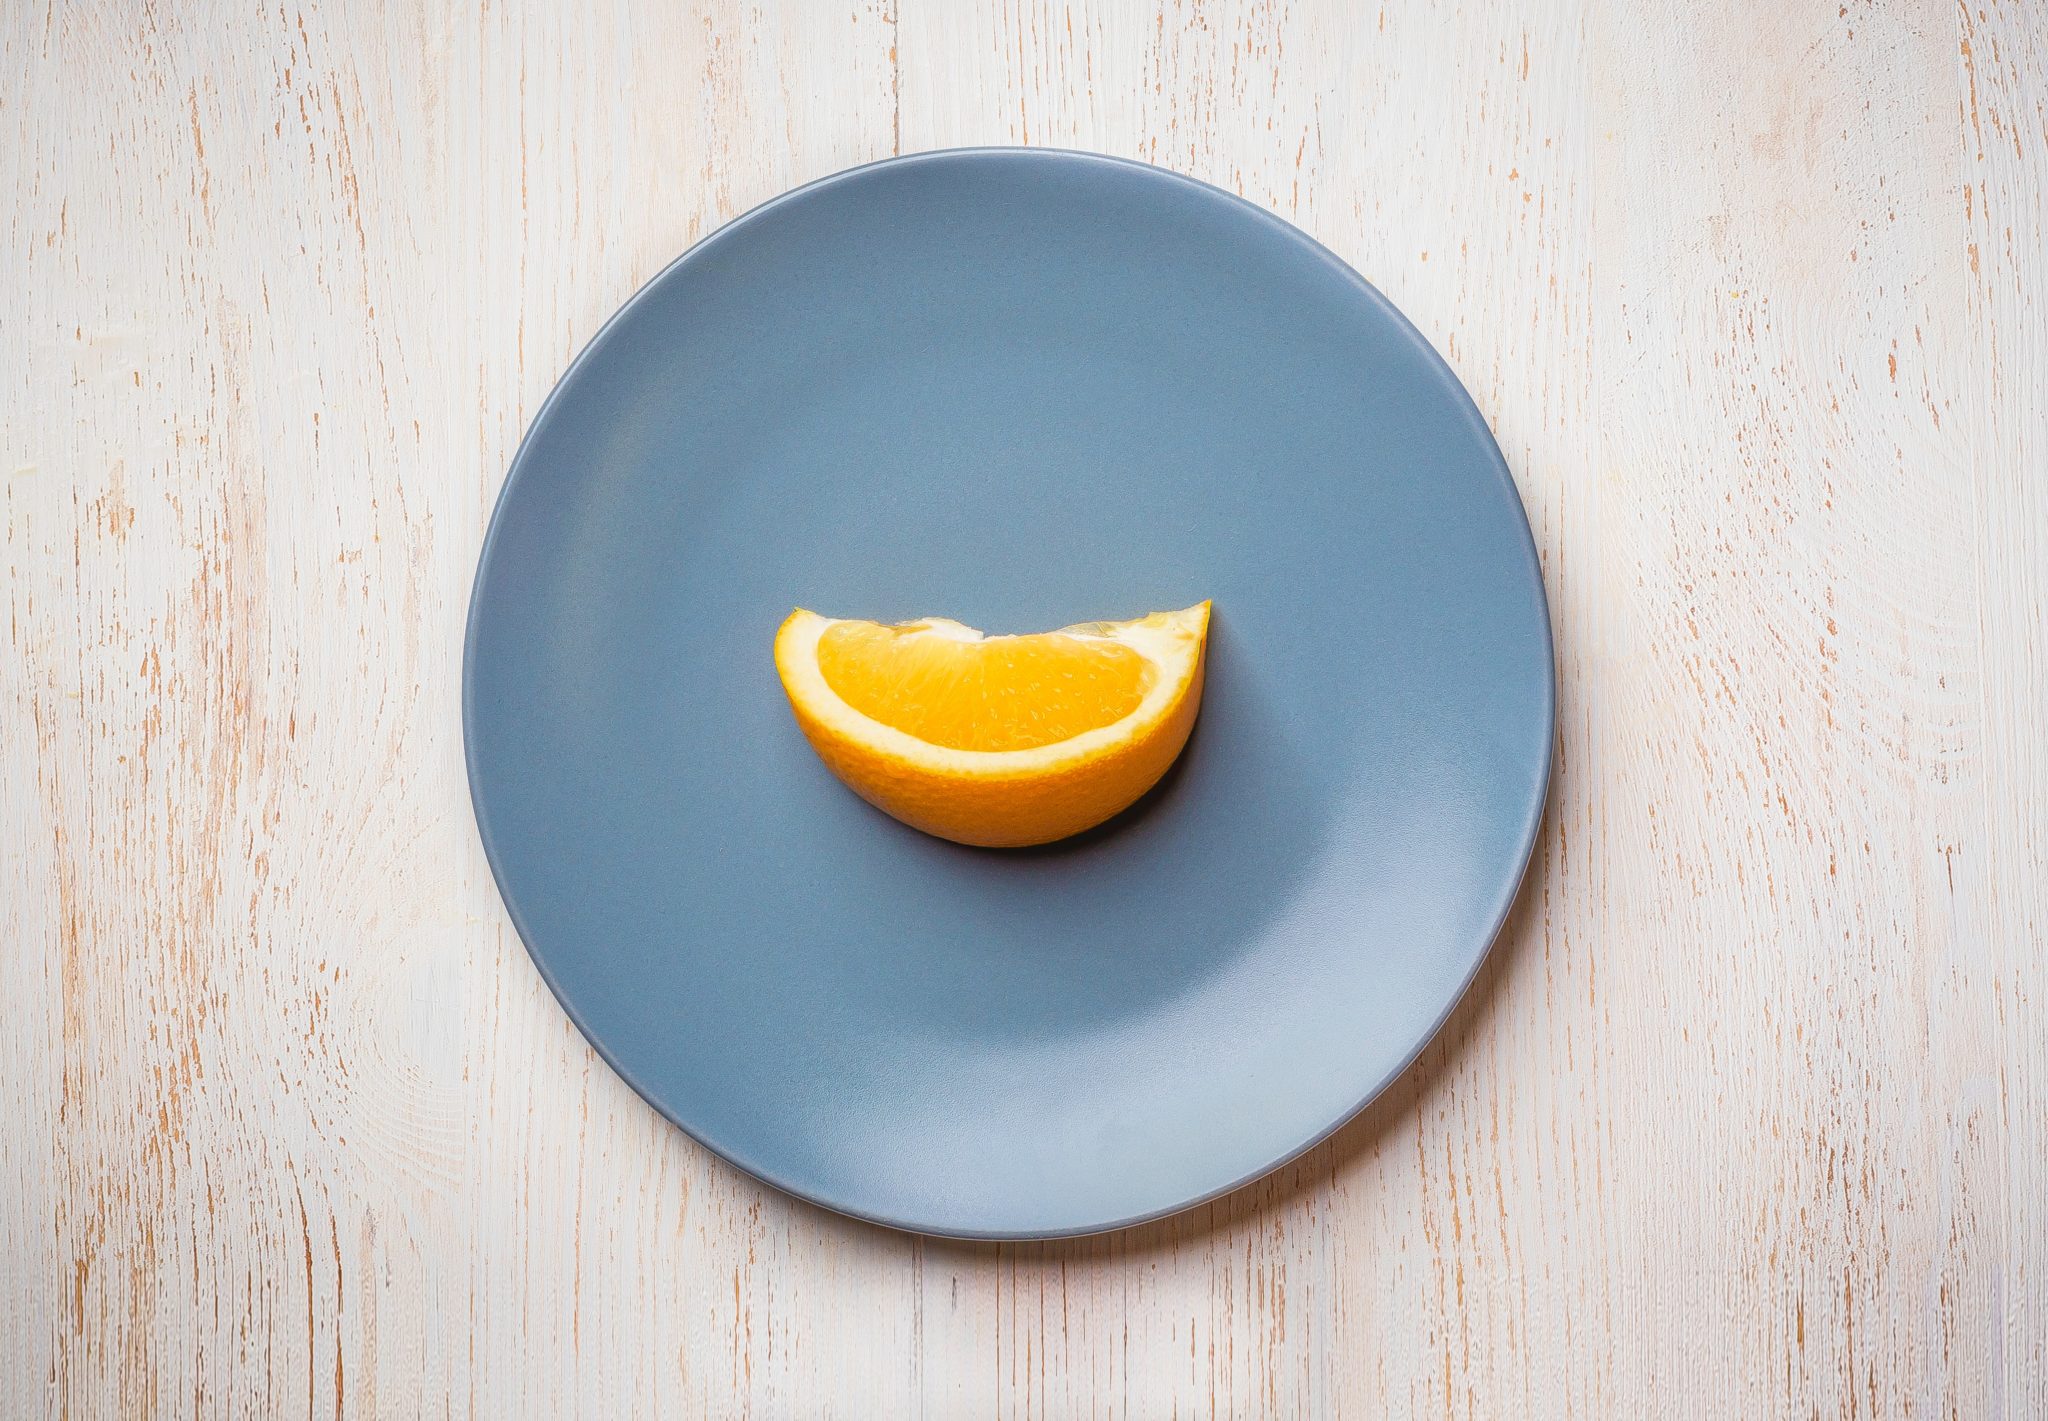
{"points": [[1023, 389]]}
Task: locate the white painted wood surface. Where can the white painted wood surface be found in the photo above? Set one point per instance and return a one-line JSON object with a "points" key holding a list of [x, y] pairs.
{"points": [[1748, 1115]]}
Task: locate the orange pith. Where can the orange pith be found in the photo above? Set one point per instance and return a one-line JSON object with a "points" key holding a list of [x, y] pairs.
{"points": [[1001, 693]]}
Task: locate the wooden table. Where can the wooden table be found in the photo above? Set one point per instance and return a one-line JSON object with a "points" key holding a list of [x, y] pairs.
{"points": [[1748, 1114]]}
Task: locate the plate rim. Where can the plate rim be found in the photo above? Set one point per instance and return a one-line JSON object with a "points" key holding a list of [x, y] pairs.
{"points": [[1529, 831]]}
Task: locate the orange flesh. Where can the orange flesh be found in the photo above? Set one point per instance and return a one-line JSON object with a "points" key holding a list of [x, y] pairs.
{"points": [[1004, 693]]}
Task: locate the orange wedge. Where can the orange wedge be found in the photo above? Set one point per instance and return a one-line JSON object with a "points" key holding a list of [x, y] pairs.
{"points": [[999, 741]]}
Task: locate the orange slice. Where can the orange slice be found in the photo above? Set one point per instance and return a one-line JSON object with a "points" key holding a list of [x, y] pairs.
{"points": [[998, 741]]}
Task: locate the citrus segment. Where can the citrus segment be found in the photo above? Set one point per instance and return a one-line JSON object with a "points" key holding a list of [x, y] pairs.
{"points": [[996, 741], [948, 685]]}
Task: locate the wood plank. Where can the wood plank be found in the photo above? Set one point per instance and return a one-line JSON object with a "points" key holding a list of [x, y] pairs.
{"points": [[2003, 1131], [301, 1129], [1410, 1264], [1784, 361]]}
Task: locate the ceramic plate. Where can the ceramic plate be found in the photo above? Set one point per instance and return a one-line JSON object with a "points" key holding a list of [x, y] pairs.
{"points": [[1022, 389]]}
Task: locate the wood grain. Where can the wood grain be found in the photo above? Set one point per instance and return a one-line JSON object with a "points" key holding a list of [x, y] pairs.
{"points": [[1748, 1113]]}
